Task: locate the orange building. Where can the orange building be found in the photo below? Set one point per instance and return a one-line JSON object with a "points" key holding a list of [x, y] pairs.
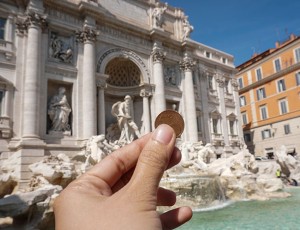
{"points": [[269, 91]]}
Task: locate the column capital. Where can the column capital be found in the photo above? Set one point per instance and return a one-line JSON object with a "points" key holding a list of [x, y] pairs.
{"points": [[35, 19], [234, 84], [187, 64], [220, 80], [157, 54], [30, 19], [101, 83], [87, 34], [145, 93], [21, 27]]}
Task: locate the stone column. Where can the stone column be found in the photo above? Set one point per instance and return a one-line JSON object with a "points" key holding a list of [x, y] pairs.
{"points": [[7, 99], [159, 95], [221, 83], [88, 37], [236, 97], [204, 106], [146, 110], [187, 65], [31, 94], [101, 84]]}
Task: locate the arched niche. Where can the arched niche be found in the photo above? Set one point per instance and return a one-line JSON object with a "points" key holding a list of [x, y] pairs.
{"points": [[119, 55]]}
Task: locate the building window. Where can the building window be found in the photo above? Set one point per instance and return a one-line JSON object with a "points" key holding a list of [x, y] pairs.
{"points": [[287, 129], [241, 84], [297, 54], [283, 106], [247, 137], [242, 101], [2, 28], [215, 122], [266, 133], [261, 93], [244, 118], [263, 112], [277, 65], [231, 127], [208, 54], [224, 60], [258, 74], [298, 78], [281, 85]]}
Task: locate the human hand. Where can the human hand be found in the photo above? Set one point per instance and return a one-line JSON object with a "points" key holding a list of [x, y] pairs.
{"points": [[122, 191]]}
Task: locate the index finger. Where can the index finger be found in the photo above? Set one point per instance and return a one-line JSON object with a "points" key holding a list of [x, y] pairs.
{"points": [[115, 165]]}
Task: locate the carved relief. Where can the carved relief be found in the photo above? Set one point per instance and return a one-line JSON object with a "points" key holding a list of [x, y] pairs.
{"points": [[61, 48], [170, 75]]}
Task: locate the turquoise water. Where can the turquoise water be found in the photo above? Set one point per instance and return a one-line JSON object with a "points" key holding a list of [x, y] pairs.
{"points": [[276, 214]]}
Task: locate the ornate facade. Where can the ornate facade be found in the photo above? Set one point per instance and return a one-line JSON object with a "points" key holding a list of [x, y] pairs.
{"points": [[96, 53]]}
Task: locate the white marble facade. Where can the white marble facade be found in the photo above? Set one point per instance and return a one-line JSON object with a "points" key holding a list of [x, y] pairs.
{"points": [[99, 52]]}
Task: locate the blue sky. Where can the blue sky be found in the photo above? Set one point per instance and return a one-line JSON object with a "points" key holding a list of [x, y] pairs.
{"points": [[241, 27]]}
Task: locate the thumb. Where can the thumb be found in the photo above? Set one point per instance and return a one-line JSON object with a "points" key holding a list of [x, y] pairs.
{"points": [[152, 162]]}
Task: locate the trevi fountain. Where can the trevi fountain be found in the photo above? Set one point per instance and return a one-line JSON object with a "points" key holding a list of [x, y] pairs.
{"points": [[201, 180]]}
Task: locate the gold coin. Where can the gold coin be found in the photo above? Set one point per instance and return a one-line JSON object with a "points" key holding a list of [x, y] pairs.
{"points": [[171, 118]]}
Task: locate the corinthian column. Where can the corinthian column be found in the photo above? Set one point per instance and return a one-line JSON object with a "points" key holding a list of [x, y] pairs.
{"points": [[146, 110], [187, 65], [221, 83], [33, 22], [88, 37], [159, 94], [101, 84]]}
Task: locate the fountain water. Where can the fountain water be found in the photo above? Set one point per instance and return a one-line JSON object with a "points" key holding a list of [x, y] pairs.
{"points": [[196, 191]]}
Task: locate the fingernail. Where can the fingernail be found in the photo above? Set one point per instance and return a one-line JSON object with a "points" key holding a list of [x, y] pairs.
{"points": [[163, 134]]}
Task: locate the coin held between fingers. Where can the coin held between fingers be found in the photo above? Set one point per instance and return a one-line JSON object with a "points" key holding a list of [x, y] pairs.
{"points": [[171, 118]]}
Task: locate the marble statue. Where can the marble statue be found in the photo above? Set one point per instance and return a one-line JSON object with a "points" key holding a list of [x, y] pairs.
{"points": [[59, 111], [193, 155], [187, 28], [128, 128], [205, 153], [158, 14], [97, 148]]}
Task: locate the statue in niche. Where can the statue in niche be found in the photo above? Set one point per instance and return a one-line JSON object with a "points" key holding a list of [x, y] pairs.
{"points": [[158, 14], [170, 76], [128, 128], [60, 50], [187, 28], [59, 111]]}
